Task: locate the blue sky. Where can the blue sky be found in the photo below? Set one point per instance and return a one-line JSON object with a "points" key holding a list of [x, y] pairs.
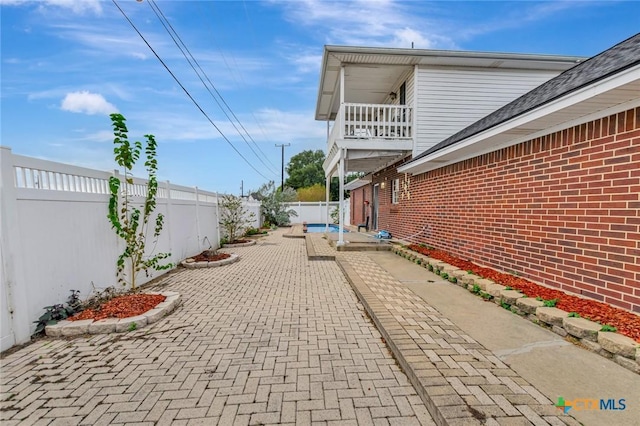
{"points": [[66, 64]]}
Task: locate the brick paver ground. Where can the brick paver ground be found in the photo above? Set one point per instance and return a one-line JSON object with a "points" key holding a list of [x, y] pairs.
{"points": [[461, 382], [272, 339]]}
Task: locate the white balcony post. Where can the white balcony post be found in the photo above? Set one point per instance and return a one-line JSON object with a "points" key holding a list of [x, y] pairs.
{"points": [[341, 198], [341, 112], [328, 195]]}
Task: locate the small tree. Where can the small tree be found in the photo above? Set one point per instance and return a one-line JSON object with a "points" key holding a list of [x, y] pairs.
{"points": [[129, 222], [234, 217], [316, 192], [271, 203]]}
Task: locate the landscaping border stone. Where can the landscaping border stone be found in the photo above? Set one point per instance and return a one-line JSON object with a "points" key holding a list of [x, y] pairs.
{"points": [[621, 349], [234, 245], [195, 265], [117, 325]]}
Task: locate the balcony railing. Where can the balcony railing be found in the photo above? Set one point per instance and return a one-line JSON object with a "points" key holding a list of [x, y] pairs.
{"points": [[372, 121]]}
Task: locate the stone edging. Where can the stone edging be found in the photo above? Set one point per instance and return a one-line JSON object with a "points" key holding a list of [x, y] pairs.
{"points": [[247, 244], [196, 265], [111, 325], [621, 349]]}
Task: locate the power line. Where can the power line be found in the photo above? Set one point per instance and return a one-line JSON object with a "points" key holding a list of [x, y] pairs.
{"points": [[158, 12], [238, 77], [186, 91]]}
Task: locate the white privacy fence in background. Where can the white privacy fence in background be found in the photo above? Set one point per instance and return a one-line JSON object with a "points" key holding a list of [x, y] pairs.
{"points": [[316, 211], [55, 235]]}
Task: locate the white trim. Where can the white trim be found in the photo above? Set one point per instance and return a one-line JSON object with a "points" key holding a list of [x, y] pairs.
{"points": [[624, 77]]}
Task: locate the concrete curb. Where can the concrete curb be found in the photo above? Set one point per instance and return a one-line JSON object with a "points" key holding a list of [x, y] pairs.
{"points": [[115, 325], [195, 265], [312, 253], [427, 381], [234, 245]]}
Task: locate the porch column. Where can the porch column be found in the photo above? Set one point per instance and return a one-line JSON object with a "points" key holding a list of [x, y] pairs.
{"points": [[341, 197], [342, 85], [328, 196]]}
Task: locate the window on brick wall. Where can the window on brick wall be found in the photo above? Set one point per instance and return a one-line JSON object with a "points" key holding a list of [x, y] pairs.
{"points": [[395, 191]]}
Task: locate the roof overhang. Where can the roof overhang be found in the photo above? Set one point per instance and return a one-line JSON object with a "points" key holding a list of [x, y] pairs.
{"points": [[608, 96], [368, 69], [358, 183]]}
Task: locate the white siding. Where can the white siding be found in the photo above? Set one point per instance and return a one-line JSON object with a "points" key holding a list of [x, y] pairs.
{"points": [[449, 99]]}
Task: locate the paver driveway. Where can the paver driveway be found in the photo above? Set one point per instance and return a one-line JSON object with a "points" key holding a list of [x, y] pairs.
{"points": [[271, 339]]}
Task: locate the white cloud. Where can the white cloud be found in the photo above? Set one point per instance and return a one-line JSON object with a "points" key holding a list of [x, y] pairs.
{"points": [[76, 6], [87, 103], [370, 23]]}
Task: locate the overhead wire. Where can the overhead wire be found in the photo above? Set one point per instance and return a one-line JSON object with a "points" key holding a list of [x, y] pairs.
{"points": [[186, 91], [239, 78], [253, 37], [180, 44]]}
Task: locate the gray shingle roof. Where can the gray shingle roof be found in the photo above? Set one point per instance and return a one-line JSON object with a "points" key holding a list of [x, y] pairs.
{"points": [[621, 56]]}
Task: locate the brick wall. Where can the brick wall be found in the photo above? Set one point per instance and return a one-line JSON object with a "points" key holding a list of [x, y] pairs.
{"points": [[359, 210], [562, 210]]}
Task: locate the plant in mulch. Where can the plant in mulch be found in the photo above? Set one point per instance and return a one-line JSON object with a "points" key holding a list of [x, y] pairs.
{"points": [[255, 231], [609, 328], [129, 222], [234, 218], [210, 256], [58, 312], [626, 323], [124, 306]]}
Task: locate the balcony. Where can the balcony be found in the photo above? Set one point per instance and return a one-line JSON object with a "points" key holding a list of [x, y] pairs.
{"points": [[371, 132]]}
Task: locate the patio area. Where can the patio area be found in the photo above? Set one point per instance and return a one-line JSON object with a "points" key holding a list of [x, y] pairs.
{"points": [[272, 339]]}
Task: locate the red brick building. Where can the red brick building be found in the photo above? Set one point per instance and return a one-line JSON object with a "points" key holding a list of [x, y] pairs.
{"points": [[547, 186]]}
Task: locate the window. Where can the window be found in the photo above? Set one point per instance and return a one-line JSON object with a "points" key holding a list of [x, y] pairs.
{"points": [[395, 191], [403, 94]]}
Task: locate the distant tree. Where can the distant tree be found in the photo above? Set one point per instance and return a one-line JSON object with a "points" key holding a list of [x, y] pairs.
{"points": [[334, 189], [272, 202], [316, 192], [305, 169]]}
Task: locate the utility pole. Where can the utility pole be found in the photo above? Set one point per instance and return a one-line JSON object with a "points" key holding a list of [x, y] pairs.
{"points": [[282, 182], [242, 189]]}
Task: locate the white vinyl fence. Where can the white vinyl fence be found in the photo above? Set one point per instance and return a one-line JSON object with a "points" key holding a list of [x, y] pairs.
{"points": [[316, 211], [55, 235]]}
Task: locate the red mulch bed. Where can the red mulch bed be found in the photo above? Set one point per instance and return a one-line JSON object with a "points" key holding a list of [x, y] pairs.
{"points": [[121, 307], [625, 322], [209, 256]]}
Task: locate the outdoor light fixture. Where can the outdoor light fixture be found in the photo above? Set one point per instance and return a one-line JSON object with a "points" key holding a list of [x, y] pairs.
{"points": [[393, 96]]}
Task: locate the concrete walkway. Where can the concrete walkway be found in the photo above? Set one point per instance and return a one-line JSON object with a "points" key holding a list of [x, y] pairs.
{"points": [[554, 366], [272, 339], [475, 363]]}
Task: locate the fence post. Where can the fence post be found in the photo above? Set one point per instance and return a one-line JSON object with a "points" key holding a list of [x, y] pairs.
{"points": [[16, 324], [198, 217], [168, 221], [218, 219]]}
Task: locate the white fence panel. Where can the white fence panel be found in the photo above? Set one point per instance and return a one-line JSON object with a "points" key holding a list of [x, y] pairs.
{"points": [[316, 211], [55, 235]]}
